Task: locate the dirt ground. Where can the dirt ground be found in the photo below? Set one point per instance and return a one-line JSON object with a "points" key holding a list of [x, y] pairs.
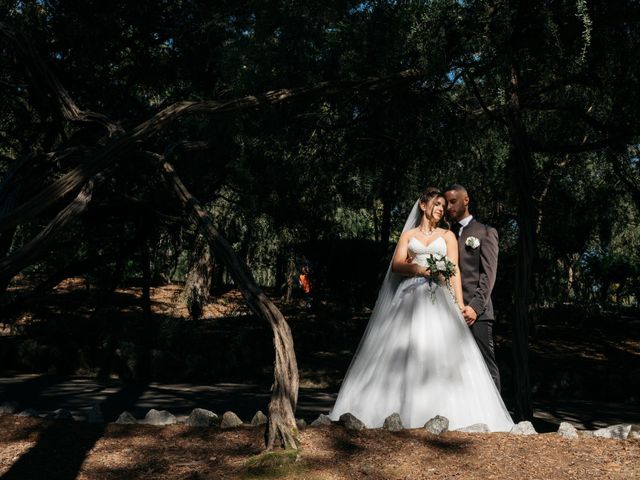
{"points": [[592, 361], [33, 448]]}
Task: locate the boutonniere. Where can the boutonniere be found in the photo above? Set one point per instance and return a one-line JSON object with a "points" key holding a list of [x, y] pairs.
{"points": [[472, 242]]}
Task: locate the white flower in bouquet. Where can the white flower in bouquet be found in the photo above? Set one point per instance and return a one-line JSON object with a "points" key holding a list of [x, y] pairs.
{"points": [[442, 268]]}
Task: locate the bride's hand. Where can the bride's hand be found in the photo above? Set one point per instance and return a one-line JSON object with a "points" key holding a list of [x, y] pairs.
{"points": [[438, 276], [423, 272]]}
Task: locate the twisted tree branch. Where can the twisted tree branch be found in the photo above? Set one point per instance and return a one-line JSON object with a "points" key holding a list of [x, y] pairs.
{"points": [[74, 179], [281, 427], [15, 262]]}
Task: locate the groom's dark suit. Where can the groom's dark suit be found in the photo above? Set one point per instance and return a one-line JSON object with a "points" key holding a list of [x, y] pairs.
{"points": [[478, 270]]}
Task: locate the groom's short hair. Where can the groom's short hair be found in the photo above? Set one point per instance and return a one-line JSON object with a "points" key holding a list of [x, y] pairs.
{"points": [[457, 187]]}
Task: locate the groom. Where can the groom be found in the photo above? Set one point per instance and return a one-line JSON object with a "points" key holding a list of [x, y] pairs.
{"points": [[478, 262]]}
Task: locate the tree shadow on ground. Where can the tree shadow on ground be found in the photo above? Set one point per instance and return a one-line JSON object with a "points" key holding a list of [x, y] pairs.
{"points": [[60, 451], [346, 446], [180, 454]]}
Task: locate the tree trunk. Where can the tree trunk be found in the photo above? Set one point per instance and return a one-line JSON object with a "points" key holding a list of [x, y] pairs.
{"points": [[570, 262], [47, 85], [108, 361], [281, 427], [385, 227], [290, 280], [144, 328], [6, 240], [199, 279], [146, 272], [376, 221], [10, 189], [286, 275], [520, 163]]}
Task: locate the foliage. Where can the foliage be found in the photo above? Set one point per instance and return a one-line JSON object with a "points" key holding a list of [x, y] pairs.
{"points": [[347, 166]]}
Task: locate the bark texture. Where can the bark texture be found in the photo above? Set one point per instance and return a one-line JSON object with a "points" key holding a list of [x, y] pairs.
{"points": [[281, 428], [198, 283]]}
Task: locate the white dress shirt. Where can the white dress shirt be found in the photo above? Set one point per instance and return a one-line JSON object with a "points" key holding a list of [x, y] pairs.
{"points": [[463, 223]]}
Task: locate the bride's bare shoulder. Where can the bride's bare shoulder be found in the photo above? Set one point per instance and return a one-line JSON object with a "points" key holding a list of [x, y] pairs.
{"points": [[447, 234], [409, 233]]}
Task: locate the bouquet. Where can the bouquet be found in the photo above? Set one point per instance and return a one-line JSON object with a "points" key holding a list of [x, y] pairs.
{"points": [[441, 267]]}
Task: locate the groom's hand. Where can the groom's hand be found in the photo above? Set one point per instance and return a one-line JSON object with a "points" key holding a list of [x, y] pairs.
{"points": [[469, 315]]}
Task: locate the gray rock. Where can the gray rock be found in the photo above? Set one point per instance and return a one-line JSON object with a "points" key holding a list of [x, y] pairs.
{"points": [[159, 417], [618, 432], [634, 435], [60, 414], [199, 417], [230, 420], [8, 407], [126, 418], [523, 428], [301, 424], [567, 430], [586, 433], [95, 414], [437, 425], [28, 412], [350, 422], [369, 469], [321, 420], [475, 428], [393, 423], [259, 419]]}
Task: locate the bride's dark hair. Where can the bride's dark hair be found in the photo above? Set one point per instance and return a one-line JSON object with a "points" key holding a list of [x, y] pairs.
{"points": [[428, 197]]}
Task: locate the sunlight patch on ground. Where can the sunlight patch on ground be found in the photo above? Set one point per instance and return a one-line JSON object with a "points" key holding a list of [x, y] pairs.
{"points": [[11, 453]]}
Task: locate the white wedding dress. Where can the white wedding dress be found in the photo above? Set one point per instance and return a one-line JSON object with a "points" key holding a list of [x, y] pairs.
{"points": [[418, 358]]}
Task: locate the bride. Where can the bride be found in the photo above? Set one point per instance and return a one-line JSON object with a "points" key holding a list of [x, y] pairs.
{"points": [[417, 356]]}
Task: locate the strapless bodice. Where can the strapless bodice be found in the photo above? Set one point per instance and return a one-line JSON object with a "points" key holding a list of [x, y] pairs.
{"points": [[421, 251]]}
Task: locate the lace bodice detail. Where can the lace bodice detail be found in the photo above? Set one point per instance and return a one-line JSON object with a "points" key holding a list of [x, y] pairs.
{"points": [[420, 252]]}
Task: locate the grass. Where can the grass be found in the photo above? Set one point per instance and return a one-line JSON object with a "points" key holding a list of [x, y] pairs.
{"points": [[275, 464]]}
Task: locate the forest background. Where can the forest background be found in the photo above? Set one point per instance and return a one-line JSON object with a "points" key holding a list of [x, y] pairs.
{"points": [[531, 105]]}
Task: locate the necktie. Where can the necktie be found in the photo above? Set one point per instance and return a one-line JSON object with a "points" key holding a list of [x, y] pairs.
{"points": [[456, 228]]}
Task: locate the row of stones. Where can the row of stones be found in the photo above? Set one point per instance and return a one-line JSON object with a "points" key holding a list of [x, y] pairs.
{"points": [[439, 425], [200, 417]]}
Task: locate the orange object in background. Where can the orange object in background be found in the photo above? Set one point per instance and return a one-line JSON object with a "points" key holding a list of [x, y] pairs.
{"points": [[305, 283]]}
